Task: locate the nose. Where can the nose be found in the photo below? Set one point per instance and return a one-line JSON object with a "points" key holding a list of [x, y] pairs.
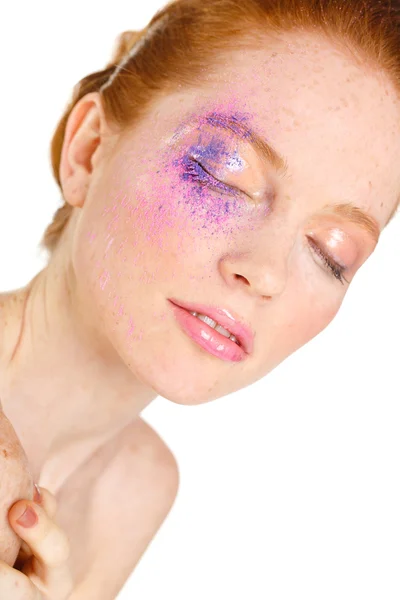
{"points": [[260, 276]]}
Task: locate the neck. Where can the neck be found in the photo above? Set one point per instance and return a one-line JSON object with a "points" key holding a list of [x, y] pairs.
{"points": [[63, 387]]}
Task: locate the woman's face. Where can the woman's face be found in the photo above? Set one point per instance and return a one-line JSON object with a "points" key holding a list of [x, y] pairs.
{"points": [[186, 206]]}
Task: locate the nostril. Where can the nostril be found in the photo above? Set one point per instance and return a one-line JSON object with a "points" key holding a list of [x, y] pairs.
{"points": [[241, 277]]}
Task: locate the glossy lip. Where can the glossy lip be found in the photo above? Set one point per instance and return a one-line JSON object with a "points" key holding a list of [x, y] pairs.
{"points": [[225, 318]]}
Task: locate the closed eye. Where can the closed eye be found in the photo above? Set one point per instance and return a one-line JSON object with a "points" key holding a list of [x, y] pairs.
{"points": [[197, 172], [334, 267]]}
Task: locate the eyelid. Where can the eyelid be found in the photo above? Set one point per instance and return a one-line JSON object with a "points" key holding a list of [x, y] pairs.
{"points": [[261, 183], [332, 257], [233, 188], [251, 180], [254, 183], [322, 248], [235, 163]]}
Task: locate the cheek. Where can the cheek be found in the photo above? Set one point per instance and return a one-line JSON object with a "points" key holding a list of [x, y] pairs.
{"points": [[149, 224], [310, 314], [313, 296], [142, 226], [309, 304], [156, 204]]}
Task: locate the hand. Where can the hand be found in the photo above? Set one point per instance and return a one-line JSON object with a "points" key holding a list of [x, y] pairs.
{"points": [[41, 570]]}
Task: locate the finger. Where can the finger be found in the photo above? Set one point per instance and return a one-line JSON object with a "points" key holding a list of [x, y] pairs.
{"points": [[48, 502], [48, 567], [16, 585]]}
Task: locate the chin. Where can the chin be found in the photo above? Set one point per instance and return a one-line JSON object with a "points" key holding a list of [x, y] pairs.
{"points": [[176, 368], [179, 393], [183, 381], [187, 400]]}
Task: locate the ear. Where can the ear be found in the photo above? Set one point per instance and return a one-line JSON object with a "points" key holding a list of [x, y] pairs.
{"points": [[82, 140]]}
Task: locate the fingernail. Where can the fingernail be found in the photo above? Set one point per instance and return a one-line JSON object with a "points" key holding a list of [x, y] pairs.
{"points": [[28, 518], [37, 496]]}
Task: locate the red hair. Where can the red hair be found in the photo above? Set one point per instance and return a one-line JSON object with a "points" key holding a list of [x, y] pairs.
{"points": [[184, 38]]}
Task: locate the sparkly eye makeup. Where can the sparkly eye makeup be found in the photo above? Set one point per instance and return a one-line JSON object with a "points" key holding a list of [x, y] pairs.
{"points": [[209, 173], [236, 163], [195, 171], [219, 177], [208, 162]]}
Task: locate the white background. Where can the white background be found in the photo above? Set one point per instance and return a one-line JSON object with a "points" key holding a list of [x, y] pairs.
{"points": [[289, 488]]}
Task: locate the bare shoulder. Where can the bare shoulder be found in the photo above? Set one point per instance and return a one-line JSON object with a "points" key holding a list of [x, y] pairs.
{"points": [[131, 500], [144, 447], [144, 468]]}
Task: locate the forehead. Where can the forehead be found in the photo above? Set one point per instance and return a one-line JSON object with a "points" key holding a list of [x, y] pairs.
{"points": [[337, 122]]}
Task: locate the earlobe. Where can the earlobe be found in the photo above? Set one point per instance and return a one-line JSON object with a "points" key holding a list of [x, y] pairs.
{"points": [[82, 138]]}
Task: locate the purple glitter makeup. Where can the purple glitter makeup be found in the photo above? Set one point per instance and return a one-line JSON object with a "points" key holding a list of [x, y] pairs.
{"points": [[206, 163], [194, 171], [214, 150], [231, 122], [235, 163], [196, 166]]}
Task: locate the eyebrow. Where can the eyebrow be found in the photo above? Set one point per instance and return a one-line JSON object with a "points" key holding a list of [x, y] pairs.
{"points": [[268, 153]]}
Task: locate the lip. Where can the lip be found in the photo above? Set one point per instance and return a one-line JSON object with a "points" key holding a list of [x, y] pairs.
{"points": [[224, 317]]}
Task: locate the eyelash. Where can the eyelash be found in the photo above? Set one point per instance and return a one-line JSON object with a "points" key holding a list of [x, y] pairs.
{"points": [[198, 173], [336, 269]]}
